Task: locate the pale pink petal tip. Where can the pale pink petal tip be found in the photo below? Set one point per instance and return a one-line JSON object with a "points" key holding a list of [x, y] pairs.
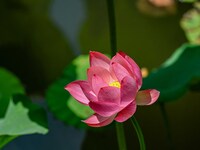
{"points": [[98, 121], [147, 97], [99, 59], [154, 95]]}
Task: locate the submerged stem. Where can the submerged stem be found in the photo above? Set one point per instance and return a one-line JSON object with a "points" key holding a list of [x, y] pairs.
{"points": [[139, 133], [120, 136], [167, 127]]}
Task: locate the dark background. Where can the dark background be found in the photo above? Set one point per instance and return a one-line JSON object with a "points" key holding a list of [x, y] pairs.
{"points": [[38, 38]]}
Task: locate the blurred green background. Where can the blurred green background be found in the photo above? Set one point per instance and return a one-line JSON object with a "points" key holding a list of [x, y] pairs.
{"points": [[39, 38]]}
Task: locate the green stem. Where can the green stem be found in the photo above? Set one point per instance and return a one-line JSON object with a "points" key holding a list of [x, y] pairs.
{"points": [[139, 133], [167, 127], [113, 44], [112, 26], [120, 136]]}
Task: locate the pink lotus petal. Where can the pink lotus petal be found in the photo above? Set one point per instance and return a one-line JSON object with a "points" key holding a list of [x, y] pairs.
{"points": [[134, 68], [119, 71], [81, 91], [98, 121], [109, 94], [97, 83], [98, 59], [101, 72], [104, 109], [127, 112], [128, 90], [147, 97], [122, 61]]}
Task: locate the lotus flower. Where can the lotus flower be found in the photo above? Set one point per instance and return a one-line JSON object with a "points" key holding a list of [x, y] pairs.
{"points": [[111, 89]]}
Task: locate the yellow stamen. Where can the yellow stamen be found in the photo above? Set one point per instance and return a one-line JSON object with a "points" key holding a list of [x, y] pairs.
{"points": [[115, 84]]}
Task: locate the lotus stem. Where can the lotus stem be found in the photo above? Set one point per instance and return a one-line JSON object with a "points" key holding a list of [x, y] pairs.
{"points": [[120, 136], [139, 133], [112, 27], [113, 45]]}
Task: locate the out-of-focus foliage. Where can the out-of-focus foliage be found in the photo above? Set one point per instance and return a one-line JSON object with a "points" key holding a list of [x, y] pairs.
{"points": [[177, 75], [9, 85], [22, 117], [78, 109], [31, 46], [191, 24], [16, 121], [188, 1], [18, 116], [63, 106], [133, 30]]}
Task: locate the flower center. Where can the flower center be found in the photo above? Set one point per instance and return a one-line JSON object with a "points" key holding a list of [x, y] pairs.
{"points": [[115, 84]]}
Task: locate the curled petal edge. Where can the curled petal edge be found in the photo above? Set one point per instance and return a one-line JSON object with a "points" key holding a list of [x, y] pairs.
{"points": [[127, 112], [81, 91], [134, 68], [98, 121], [147, 97]]}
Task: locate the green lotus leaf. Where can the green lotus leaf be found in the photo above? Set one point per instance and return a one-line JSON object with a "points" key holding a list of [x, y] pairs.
{"points": [[9, 85], [177, 75], [22, 117], [59, 101], [191, 24]]}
